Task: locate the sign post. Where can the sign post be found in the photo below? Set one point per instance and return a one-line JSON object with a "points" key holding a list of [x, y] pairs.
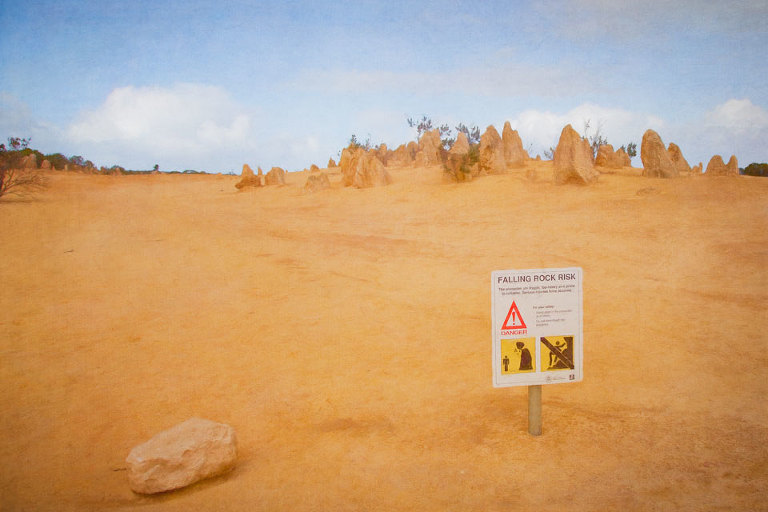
{"points": [[537, 331], [534, 410]]}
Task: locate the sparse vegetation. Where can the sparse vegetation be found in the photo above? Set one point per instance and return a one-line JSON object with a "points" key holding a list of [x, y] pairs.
{"points": [[425, 124], [630, 149], [355, 143], [473, 134], [15, 178], [595, 139], [459, 167]]}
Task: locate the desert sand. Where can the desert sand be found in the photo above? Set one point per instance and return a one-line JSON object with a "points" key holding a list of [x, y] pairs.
{"points": [[346, 336]]}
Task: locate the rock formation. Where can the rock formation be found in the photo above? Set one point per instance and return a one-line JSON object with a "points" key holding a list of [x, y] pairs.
{"points": [[383, 154], [317, 182], [716, 167], [348, 164], [402, 156], [623, 157], [676, 155], [514, 154], [29, 162], [247, 178], [492, 152], [457, 163], [362, 169], [314, 168], [697, 169], [182, 455], [608, 158], [46, 165], [460, 146], [429, 149], [572, 161], [331, 163], [275, 176], [656, 160], [370, 172]]}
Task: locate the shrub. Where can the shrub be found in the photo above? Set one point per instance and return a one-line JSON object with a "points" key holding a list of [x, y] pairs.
{"points": [[15, 179], [459, 167]]}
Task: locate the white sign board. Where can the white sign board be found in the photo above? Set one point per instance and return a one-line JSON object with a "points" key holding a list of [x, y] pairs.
{"points": [[537, 326]]}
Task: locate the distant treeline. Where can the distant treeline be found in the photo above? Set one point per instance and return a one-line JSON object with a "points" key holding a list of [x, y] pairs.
{"points": [[17, 150], [755, 169]]}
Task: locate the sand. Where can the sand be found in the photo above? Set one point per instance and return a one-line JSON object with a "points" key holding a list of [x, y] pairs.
{"points": [[346, 336]]}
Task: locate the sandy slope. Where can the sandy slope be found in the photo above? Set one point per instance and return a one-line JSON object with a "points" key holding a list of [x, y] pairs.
{"points": [[346, 336]]}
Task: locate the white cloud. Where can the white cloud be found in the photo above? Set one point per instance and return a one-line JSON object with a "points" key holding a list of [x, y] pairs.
{"points": [[737, 117], [735, 127], [541, 129], [186, 123]]}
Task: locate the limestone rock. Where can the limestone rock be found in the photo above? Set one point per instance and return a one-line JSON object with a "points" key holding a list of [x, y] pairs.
{"points": [[461, 146], [607, 157], [697, 169], [248, 179], [492, 152], [182, 455], [623, 158], [656, 160], [412, 148], [317, 182], [572, 161], [402, 156], [29, 162], [676, 155], [429, 149], [331, 163], [46, 165], [363, 169], [348, 164], [314, 168], [514, 154], [370, 172], [716, 167], [275, 176], [383, 153]]}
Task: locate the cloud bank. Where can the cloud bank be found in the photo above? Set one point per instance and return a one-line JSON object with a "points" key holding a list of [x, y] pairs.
{"points": [[186, 123]]}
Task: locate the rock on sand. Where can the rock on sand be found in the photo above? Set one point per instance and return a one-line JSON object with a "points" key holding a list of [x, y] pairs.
{"points": [[716, 167], [656, 160], [573, 159], [182, 455], [247, 178]]}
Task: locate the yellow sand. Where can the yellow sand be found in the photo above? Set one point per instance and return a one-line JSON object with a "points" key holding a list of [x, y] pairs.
{"points": [[346, 337]]}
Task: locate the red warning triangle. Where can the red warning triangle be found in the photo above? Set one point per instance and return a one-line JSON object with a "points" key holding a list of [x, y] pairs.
{"points": [[517, 319]]}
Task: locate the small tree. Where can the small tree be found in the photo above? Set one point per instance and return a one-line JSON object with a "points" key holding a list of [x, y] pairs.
{"points": [[354, 143], [426, 125], [595, 139], [14, 177], [473, 134]]}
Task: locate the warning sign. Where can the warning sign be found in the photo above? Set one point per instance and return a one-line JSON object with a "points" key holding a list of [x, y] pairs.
{"points": [[537, 326], [514, 320]]}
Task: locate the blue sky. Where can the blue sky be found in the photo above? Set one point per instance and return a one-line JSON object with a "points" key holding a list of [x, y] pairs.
{"points": [[212, 85]]}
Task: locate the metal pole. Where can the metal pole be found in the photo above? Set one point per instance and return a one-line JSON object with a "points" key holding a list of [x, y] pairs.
{"points": [[534, 410]]}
